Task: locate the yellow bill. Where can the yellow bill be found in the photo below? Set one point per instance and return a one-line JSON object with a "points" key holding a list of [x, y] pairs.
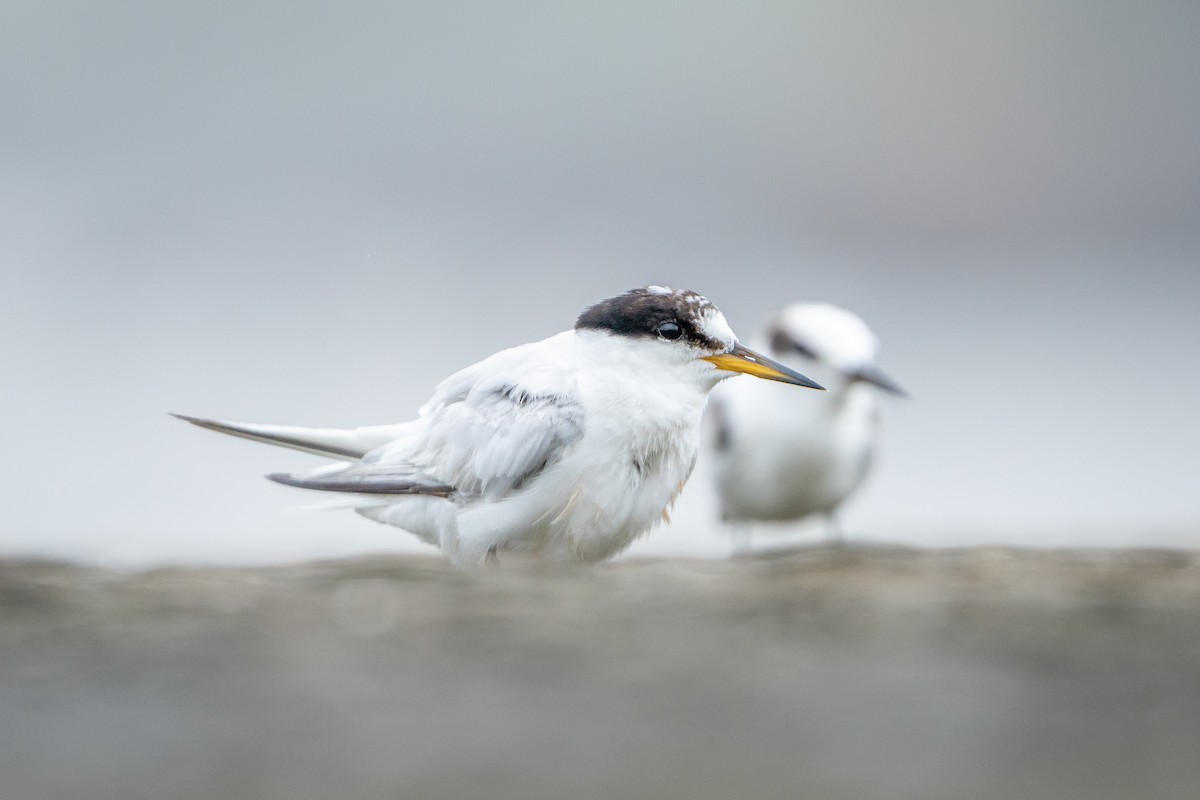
{"points": [[743, 359]]}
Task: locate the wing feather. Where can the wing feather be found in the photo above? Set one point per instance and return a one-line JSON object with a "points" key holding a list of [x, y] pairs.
{"points": [[366, 479]]}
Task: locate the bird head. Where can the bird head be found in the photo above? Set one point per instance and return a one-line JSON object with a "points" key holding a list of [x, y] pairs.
{"points": [[682, 329], [830, 341]]}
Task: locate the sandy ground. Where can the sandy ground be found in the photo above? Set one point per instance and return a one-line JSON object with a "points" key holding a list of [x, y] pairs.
{"points": [[823, 673]]}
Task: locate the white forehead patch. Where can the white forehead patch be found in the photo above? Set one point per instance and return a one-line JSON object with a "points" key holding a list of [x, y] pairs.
{"points": [[713, 325], [660, 290]]}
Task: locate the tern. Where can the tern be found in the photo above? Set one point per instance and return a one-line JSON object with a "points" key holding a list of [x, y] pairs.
{"points": [[778, 460], [569, 448]]}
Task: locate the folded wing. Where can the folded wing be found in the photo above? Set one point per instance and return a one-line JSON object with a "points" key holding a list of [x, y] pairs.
{"points": [[488, 430]]}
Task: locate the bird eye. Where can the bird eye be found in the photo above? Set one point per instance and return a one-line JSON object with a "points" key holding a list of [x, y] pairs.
{"points": [[783, 344], [670, 330]]}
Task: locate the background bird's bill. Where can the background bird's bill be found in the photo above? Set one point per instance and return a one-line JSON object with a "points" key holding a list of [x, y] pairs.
{"points": [[743, 359], [876, 377]]}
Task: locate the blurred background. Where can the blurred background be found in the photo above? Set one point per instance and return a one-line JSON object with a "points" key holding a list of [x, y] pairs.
{"points": [[311, 213]]}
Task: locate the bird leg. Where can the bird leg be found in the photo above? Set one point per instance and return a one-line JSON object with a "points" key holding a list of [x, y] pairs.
{"points": [[742, 533], [833, 530]]}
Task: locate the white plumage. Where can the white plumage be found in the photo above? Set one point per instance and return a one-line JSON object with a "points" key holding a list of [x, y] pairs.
{"points": [[779, 457], [568, 448]]}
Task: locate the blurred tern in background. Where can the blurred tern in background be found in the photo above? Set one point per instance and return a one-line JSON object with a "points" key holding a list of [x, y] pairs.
{"points": [[568, 448], [780, 457]]}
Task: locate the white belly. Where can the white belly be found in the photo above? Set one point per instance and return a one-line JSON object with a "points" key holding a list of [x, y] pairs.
{"points": [[590, 505]]}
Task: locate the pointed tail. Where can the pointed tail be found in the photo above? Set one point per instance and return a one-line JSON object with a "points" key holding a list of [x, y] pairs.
{"points": [[342, 444]]}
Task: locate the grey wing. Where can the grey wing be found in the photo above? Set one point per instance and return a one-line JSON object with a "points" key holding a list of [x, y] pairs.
{"points": [[482, 442], [495, 437], [722, 435]]}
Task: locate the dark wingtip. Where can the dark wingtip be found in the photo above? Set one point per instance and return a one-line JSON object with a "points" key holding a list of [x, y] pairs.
{"points": [[285, 478], [723, 436], [207, 424]]}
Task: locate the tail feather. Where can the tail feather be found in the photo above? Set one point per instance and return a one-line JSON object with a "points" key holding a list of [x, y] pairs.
{"points": [[342, 444]]}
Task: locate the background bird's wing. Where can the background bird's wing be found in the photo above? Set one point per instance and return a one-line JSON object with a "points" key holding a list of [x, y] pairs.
{"points": [[722, 430]]}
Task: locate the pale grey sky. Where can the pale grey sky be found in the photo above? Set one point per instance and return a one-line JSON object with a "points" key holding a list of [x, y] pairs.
{"points": [[310, 214]]}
